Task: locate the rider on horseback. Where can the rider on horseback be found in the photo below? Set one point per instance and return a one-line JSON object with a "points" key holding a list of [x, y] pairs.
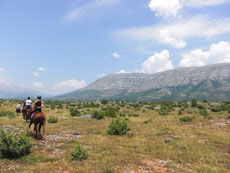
{"points": [[38, 104], [28, 103]]}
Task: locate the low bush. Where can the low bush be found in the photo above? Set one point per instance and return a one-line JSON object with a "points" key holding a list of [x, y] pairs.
{"points": [[79, 153], [118, 127], [52, 119], [74, 112], [98, 115], [122, 114], [133, 115], [104, 101], [164, 110], [110, 112], [148, 121], [180, 112], [194, 103], [186, 119], [216, 109], [14, 147], [204, 113], [6, 113]]}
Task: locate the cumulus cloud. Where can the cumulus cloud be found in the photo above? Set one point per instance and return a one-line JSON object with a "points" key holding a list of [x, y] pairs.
{"points": [[87, 9], [217, 53], [200, 3], [165, 8], [35, 74], [116, 55], [41, 69], [38, 84], [172, 8], [71, 84], [2, 69], [157, 63], [176, 33]]}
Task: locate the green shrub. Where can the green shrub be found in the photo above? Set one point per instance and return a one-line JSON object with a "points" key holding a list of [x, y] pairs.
{"points": [[216, 109], [152, 107], [164, 110], [148, 121], [200, 106], [79, 153], [74, 112], [133, 115], [204, 113], [118, 127], [52, 119], [110, 112], [6, 113], [104, 101], [98, 115], [14, 147], [180, 112], [186, 119], [122, 114], [194, 103]]}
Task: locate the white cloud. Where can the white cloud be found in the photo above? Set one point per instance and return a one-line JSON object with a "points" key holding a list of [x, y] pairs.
{"points": [[2, 69], [35, 74], [38, 84], [217, 53], [41, 69], [122, 71], [101, 75], [88, 9], [116, 55], [200, 3], [165, 8], [157, 63], [176, 33], [173, 8], [71, 84]]}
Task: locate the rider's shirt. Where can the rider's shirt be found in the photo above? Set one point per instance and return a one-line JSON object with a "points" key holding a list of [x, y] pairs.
{"points": [[18, 106], [28, 102]]}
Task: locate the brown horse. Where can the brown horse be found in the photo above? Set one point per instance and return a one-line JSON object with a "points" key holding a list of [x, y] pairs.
{"points": [[38, 118], [18, 111]]}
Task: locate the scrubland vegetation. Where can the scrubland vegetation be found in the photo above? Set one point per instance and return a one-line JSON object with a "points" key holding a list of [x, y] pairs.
{"points": [[119, 136]]}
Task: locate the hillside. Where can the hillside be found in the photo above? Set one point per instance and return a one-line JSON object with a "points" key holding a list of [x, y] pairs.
{"points": [[16, 92], [209, 82]]}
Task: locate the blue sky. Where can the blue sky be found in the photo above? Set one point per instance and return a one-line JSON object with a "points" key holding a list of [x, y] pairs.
{"points": [[57, 46]]}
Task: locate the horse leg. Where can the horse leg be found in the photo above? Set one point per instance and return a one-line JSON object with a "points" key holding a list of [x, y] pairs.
{"points": [[44, 129], [36, 131], [30, 126]]}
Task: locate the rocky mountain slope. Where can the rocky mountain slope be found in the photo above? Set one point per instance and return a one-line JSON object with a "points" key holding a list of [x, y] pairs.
{"points": [[209, 82]]}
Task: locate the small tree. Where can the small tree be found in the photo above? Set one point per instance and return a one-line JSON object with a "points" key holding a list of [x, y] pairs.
{"points": [[74, 112], [52, 119], [12, 146], [118, 127], [104, 101], [79, 153], [194, 103]]}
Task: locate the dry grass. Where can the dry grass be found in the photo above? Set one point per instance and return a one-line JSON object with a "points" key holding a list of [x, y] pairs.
{"points": [[164, 144]]}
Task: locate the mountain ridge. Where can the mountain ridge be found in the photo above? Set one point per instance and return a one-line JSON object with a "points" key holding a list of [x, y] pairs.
{"points": [[165, 84]]}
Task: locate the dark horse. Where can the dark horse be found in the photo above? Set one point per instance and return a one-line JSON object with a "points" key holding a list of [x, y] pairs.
{"points": [[38, 118], [24, 113], [18, 111]]}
